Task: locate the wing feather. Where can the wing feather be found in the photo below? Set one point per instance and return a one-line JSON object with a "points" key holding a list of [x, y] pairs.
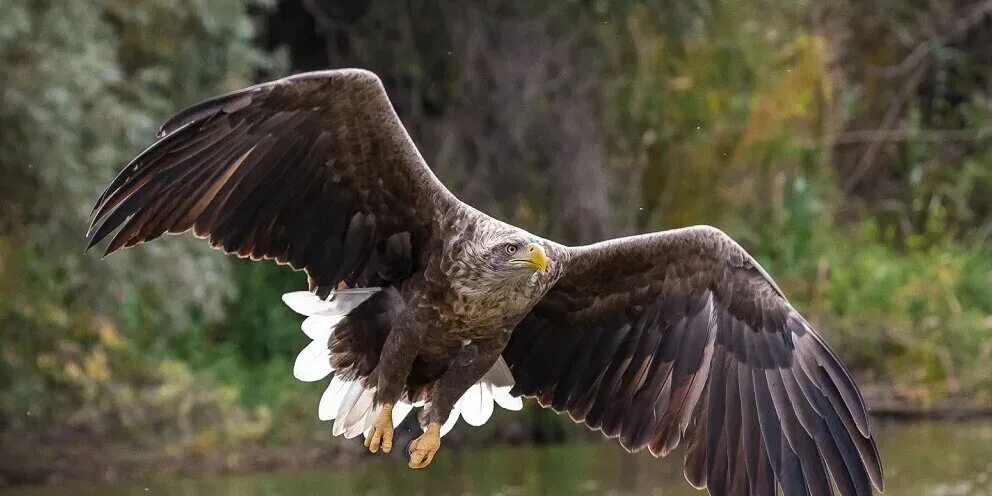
{"points": [[681, 335], [315, 171]]}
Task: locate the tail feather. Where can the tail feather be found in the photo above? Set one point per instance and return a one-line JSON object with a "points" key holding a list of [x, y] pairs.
{"points": [[338, 303], [352, 397], [506, 400], [500, 379], [477, 404], [499, 376], [452, 420], [348, 402], [400, 410], [320, 328], [330, 401], [349, 405], [360, 417], [313, 363]]}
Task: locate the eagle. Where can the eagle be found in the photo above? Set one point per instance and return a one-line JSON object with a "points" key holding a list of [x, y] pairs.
{"points": [[418, 300]]}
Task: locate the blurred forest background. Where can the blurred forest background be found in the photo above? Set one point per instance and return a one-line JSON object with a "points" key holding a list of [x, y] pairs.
{"points": [[846, 144]]}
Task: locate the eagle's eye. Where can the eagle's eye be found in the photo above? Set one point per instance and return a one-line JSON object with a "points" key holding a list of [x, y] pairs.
{"points": [[510, 249]]}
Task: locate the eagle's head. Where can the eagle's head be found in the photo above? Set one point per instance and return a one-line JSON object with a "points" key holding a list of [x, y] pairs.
{"points": [[502, 268], [520, 258], [510, 257]]}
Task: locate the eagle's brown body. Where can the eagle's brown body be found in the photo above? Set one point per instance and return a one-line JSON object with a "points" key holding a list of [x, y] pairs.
{"points": [[654, 339], [451, 317]]}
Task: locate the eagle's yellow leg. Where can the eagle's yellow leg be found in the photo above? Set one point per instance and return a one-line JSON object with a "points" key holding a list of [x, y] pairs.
{"points": [[381, 434], [423, 448]]}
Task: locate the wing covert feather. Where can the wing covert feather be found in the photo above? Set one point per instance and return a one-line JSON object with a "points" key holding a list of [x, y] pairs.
{"points": [[681, 335], [314, 171]]}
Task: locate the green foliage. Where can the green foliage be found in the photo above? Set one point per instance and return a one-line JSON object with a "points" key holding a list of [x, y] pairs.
{"points": [[257, 341], [920, 318], [916, 318], [722, 108], [83, 87], [722, 112]]}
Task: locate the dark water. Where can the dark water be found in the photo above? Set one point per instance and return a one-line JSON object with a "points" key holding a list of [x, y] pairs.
{"points": [[921, 459]]}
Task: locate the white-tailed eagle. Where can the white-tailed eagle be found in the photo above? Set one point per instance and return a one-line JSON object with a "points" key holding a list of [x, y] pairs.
{"points": [[419, 300]]}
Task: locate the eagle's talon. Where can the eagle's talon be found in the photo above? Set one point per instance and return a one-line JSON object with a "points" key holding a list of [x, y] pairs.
{"points": [[423, 448], [381, 434]]}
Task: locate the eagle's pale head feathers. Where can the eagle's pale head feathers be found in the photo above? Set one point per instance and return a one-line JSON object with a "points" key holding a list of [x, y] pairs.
{"points": [[500, 270]]}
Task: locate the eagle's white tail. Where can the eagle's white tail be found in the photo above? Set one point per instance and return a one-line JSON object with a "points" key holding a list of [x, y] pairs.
{"points": [[348, 403], [314, 362]]}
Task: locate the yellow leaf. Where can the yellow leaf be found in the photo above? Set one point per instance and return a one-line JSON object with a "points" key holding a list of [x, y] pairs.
{"points": [[95, 366], [109, 336], [682, 83]]}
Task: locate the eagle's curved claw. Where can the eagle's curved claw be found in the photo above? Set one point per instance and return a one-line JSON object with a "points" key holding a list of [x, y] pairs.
{"points": [[381, 434], [423, 448]]}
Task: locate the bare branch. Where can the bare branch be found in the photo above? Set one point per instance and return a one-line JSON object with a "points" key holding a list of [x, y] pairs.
{"points": [[921, 52], [917, 62], [898, 135], [326, 26], [867, 160]]}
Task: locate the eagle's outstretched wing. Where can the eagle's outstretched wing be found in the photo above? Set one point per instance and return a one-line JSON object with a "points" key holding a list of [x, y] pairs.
{"points": [[681, 335], [314, 170]]}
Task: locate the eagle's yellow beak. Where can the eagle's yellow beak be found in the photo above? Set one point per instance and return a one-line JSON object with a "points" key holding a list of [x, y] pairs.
{"points": [[533, 256]]}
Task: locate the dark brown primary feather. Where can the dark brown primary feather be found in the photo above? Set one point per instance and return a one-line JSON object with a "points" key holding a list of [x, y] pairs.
{"points": [[681, 336], [315, 171]]}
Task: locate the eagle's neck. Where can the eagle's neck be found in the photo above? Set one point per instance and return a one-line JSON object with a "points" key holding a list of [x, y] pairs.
{"points": [[482, 298]]}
